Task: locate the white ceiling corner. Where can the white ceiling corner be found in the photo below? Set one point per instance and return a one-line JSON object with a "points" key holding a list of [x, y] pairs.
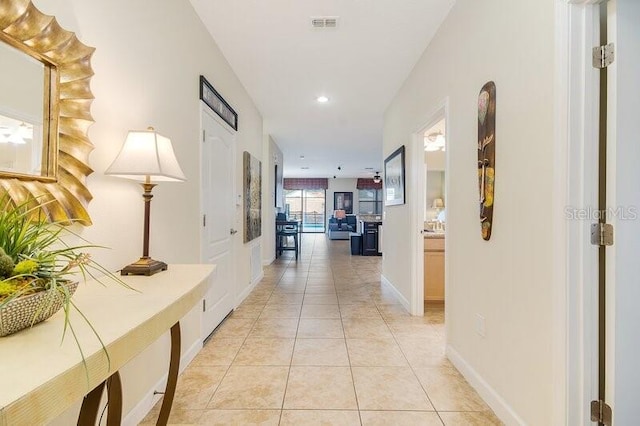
{"points": [[285, 63]]}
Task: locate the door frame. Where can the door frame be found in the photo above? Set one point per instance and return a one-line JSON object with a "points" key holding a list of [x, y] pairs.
{"points": [[417, 212], [204, 109], [575, 187]]}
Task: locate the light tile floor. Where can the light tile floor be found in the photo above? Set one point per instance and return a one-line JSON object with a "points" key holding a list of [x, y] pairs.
{"points": [[321, 342]]}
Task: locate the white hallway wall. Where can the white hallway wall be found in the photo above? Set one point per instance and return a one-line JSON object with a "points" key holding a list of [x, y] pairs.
{"points": [[148, 59], [272, 156], [507, 280]]}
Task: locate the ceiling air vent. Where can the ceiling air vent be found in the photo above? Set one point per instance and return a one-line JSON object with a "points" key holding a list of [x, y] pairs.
{"points": [[324, 21]]}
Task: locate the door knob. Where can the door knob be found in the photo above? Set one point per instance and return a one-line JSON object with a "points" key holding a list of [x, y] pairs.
{"points": [[233, 231]]}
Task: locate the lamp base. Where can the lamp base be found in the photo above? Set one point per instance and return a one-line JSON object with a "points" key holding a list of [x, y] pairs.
{"points": [[144, 266]]}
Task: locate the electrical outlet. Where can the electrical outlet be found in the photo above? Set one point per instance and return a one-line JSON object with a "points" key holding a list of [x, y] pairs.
{"points": [[480, 326]]}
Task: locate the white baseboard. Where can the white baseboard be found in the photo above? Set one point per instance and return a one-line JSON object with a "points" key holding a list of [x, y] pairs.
{"points": [[268, 261], [142, 408], [393, 288], [257, 280], [499, 406], [249, 289], [190, 354]]}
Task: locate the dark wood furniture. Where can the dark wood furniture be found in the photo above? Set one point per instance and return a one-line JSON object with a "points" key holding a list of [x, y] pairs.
{"points": [[370, 238], [286, 229]]}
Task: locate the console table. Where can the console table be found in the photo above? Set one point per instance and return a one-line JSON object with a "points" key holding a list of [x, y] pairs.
{"points": [[41, 378]]}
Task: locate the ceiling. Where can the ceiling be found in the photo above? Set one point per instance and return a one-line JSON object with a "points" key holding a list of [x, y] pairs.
{"points": [[285, 64]]}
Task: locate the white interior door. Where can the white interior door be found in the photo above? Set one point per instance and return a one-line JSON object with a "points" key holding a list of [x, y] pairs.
{"points": [[217, 218]]}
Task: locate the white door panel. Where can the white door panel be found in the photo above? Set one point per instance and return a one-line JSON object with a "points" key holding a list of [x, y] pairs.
{"points": [[217, 211]]}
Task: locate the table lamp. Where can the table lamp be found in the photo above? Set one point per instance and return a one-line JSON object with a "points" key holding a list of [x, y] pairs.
{"points": [[340, 215], [146, 156]]}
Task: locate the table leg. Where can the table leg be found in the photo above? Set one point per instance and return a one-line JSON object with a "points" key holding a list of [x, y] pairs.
{"points": [[114, 393], [90, 406], [172, 379], [91, 403]]}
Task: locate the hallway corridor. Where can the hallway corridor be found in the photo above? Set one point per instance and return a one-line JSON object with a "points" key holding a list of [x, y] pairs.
{"points": [[321, 342]]}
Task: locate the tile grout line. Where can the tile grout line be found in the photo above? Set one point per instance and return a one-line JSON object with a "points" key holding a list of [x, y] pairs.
{"points": [[395, 338], [353, 380], [295, 338], [239, 349]]}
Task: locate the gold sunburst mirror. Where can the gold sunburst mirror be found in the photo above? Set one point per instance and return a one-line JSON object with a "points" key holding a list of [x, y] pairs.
{"points": [[45, 101]]}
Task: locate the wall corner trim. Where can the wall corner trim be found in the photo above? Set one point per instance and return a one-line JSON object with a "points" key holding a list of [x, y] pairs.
{"points": [[403, 300], [500, 407]]}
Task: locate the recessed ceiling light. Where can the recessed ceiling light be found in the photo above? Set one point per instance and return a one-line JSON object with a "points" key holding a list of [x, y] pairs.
{"points": [[322, 99], [302, 157], [304, 168]]}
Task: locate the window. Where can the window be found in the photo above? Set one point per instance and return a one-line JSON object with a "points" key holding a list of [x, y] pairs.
{"points": [[307, 206], [370, 201]]}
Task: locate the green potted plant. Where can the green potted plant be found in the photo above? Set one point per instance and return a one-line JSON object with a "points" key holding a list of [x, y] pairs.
{"points": [[38, 269]]}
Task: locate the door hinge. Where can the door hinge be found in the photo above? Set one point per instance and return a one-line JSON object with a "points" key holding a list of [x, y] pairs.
{"points": [[603, 56], [204, 220], [601, 412], [203, 135], [601, 234], [204, 305]]}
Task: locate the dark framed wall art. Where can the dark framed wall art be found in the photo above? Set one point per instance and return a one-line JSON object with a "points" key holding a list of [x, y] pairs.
{"points": [[394, 179], [217, 103], [343, 201], [252, 187]]}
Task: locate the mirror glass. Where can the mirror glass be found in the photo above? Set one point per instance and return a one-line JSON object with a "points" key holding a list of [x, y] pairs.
{"points": [[23, 115]]}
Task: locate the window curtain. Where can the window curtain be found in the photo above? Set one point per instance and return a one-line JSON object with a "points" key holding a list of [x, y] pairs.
{"points": [[306, 183], [368, 184]]}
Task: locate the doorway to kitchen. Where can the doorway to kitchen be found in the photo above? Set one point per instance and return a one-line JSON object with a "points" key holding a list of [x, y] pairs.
{"points": [[429, 215], [435, 217]]}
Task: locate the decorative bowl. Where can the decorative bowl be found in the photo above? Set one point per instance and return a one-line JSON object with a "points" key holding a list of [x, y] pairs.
{"points": [[26, 311]]}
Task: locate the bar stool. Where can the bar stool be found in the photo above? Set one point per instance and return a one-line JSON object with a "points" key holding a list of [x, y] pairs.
{"points": [[282, 237]]}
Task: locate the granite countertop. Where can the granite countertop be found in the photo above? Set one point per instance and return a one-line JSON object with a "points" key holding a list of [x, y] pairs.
{"points": [[431, 234]]}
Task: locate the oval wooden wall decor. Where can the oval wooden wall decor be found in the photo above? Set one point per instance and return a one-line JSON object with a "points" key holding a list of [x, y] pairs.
{"points": [[486, 155]]}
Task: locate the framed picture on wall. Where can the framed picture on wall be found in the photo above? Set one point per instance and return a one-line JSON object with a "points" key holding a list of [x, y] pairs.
{"points": [[343, 201], [252, 187], [394, 178]]}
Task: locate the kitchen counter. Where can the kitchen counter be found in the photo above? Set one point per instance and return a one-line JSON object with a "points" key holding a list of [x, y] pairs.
{"points": [[434, 266], [431, 234]]}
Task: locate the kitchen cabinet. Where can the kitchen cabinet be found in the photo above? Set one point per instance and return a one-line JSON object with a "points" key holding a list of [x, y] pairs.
{"points": [[371, 238], [434, 268]]}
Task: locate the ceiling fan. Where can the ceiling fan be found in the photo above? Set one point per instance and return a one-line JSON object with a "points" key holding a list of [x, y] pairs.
{"points": [[434, 142]]}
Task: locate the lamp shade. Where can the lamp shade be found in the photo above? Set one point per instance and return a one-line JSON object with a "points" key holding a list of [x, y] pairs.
{"points": [[438, 203], [339, 214], [146, 153]]}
